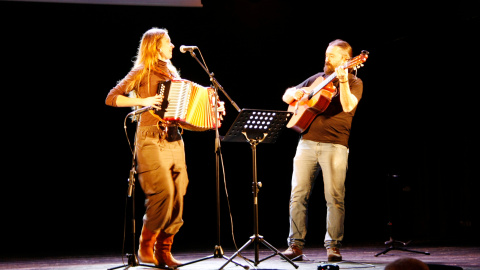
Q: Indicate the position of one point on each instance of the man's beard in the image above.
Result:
(328, 69)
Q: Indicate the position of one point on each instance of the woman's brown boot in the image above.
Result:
(146, 246)
(163, 249)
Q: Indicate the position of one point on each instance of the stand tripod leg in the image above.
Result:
(384, 252)
(414, 251)
(256, 240)
(238, 252)
(272, 248)
(393, 247)
(217, 254)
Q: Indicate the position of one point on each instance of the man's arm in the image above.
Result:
(348, 100)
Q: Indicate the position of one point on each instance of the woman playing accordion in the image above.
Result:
(160, 150)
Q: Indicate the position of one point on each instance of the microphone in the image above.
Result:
(184, 49)
(142, 110)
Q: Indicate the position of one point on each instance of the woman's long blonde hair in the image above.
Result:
(147, 57)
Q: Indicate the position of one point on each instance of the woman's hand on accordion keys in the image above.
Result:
(153, 101)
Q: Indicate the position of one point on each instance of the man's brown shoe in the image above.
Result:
(294, 253)
(333, 255)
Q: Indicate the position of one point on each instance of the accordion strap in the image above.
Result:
(167, 73)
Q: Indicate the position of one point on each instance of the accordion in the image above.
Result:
(191, 105)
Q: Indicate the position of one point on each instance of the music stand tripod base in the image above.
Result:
(218, 253)
(257, 126)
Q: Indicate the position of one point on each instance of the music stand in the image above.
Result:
(256, 126)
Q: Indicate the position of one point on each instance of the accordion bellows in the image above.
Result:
(191, 105)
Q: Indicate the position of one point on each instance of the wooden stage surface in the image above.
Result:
(357, 257)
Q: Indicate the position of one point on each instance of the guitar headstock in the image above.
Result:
(357, 61)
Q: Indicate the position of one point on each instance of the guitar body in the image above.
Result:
(305, 110)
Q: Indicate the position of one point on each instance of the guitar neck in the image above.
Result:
(354, 63)
(322, 85)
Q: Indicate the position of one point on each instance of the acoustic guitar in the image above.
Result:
(320, 95)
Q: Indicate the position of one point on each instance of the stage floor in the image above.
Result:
(358, 257)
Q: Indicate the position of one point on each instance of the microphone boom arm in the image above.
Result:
(214, 81)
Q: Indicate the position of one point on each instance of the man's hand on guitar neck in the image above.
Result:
(342, 73)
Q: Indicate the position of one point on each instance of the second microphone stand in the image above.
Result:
(132, 258)
(218, 252)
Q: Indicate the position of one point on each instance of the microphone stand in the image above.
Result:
(132, 259)
(215, 83)
(218, 252)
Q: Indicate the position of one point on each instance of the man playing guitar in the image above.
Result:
(323, 147)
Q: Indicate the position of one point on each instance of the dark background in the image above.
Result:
(67, 159)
